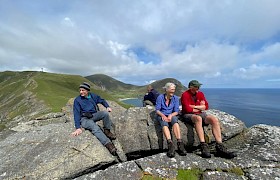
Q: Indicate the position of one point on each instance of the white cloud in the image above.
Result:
(202, 58)
(225, 41)
(256, 71)
(269, 53)
(274, 80)
(68, 22)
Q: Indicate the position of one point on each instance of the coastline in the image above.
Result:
(127, 99)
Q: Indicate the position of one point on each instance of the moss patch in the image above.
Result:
(150, 177)
(2, 126)
(238, 171)
(190, 174)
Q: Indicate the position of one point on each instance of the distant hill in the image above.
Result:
(180, 88)
(29, 94)
(114, 87)
(119, 89)
(110, 84)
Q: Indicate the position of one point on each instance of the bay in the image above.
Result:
(252, 106)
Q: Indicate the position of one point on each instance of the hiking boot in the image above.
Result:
(181, 149)
(110, 135)
(222, 151)
(205, 152)
(171, 150)
(112, 149)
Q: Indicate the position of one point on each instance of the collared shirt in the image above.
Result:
(188, 99)
(173, 106)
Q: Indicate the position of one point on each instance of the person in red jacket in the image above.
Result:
(194, 104)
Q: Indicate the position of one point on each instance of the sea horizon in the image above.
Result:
(250, 105)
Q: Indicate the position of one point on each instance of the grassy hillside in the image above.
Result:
(180, 88)
(116, 88)
(32, 93)
(119, 89)
(28, 94)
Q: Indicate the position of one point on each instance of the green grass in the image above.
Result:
(150, 177)
(49, 89)
(54, 90)
(2, 126)
(238, 171)
(190, 174)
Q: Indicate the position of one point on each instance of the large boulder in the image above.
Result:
(138, 130)
(258, 159)
(44, 149)
(48, 152)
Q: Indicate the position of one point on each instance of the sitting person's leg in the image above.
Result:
(221, 150)
(104, 115)
(95, 130)
(216, 128)
(166, 132)
(197, 120)
(177, 132)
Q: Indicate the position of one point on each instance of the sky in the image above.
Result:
(222, 44)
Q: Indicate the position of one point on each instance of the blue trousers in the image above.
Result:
(91, 125)
(174, 120)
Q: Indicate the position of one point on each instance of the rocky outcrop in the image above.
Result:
(258, 158)
(44, 149)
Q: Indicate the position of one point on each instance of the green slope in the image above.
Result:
(119, 89)
(116, 88)
(32, 93)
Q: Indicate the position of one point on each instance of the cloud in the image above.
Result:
(68, 22)
(256, 71)
(140, 41)
(269, 53)
(274, 80)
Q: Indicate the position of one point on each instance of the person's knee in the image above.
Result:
(174, 120)
(164, 125)
(216, 122)
(197, 119)
(213, 120)
(175, 125)
(105, 113)
(95, 129)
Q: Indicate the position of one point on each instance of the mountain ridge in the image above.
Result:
(28, 94)
(123, 90)
(25, 95)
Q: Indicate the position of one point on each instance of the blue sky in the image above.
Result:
(223, 44)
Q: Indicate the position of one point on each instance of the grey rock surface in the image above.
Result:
(125, 171)
(43, 149)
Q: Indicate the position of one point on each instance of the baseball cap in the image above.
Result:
(194, 83)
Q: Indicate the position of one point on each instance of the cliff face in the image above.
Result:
(43, 149)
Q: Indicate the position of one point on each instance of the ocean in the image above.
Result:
(252, 106)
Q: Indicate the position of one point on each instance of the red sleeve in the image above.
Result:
(186, 101)
(201, 97)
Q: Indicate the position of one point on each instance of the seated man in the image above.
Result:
(150, 97)
(86, 116)
(167, 109)
(193, 104)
